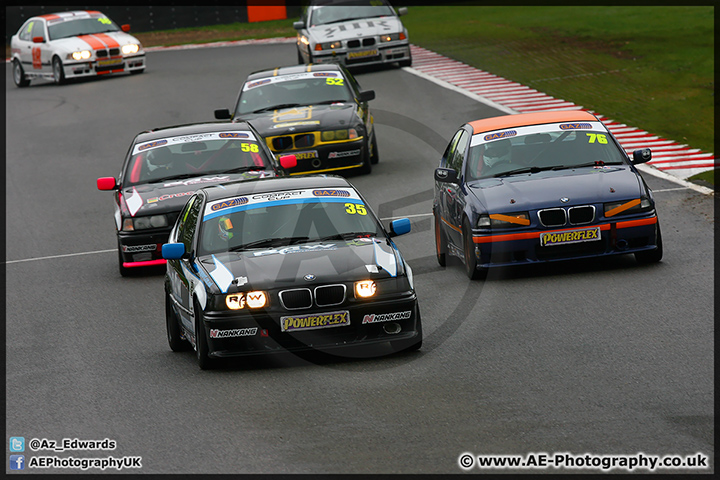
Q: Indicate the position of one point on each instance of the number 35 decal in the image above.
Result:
(353, 208)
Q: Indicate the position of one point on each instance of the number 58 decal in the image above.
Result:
(353, 208)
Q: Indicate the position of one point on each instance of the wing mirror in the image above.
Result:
(641, 156)
(288, 161)
(298, 25)
(367, 95)
(401, 226)
(173, 251)
(446, 175)
(223, 114)
(106, 183)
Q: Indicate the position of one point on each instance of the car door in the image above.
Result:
(182, 272)
(453, 197)
(24, 45)
(41, 52)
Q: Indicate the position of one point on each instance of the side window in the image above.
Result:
(38, 30)
(188, 222)
(456, 162)
(446, 161)
(26, 31)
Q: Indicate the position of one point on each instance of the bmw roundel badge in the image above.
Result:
(564, 199)
(309, 277)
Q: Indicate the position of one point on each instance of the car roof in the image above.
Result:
(71, 15)
(189, 129)
(526, 119)
(287, 70)
(276, 184)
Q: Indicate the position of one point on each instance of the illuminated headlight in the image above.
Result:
(391, 37)
(626, 207)
(238, 301)
(130, 48)
(154, 221)
(328, 46)
(365, 289)
(334, 135)
(81, 55)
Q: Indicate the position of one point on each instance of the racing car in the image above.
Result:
(353, 33)
(77, 44)
(164, 166)
(317, 113)
(541, 187)
(286, 264)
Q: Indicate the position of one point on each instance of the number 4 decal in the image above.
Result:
(36, 57)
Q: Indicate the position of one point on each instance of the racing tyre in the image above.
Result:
(201, 345)
(440, 243)
(652, 256)
(374, 157)
(136, 72)
(58, 71)
(367, 164)
(124, 271)
(471, 266)
(174, 333)
(300, 58)
(19, 75)
(406, 63)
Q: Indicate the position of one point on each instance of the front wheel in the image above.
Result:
(652, 256)
(19, 75)
(124, 271)
(471, 265)
(174, 333)
(440, 243)
(58, 71)
(413, 344)
(201, 345)
(367, 164)
(374, 157)
(135, 72)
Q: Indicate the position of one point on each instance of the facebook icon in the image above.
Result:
(17, 462)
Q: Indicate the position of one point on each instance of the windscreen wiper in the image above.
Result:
(267, 242)
(276, 107)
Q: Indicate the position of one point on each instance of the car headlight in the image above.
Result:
(365, 289)
(130, 48)
(143, 223)
(627, 207)
(333, 135)
(238, 301)
(80, 55)
(504, 220)
(392, 37)
(328, 46)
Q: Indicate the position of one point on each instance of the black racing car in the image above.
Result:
(166, 165)
(286, 264)
(316, 112)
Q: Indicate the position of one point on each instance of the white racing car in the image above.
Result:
(60, 46)
(352, 32)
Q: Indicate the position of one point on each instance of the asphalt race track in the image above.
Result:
(594, 357)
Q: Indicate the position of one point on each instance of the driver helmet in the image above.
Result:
(225, 228)
(497, 152)
(158, 158)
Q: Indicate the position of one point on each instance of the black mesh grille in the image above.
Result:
(329, 295)
(368, 42)
(114, 52)
(298, 298)
(353, 43)
(552, 217)
(581, 215)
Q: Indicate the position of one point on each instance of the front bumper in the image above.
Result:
(326, 157)
(232, 334)
(104, 66)
(142, 249)
(364, 56)
(616, 238)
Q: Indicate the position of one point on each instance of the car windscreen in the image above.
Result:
(535, 148)
(308, 88)
(82, 26)
(281, 219)
(194, 155)
(339, 13)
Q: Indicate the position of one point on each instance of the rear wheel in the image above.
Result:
(374, 157)
(58, 71)
(201, 345)
(652, 256)
(19, 75)
(440, 242)
(471, 265)
(174, 332)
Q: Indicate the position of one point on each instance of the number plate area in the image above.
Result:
(363, 54)
(550, 239)
(299, 323)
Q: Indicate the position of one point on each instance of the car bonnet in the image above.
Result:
(302, 265)
(544, 189)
